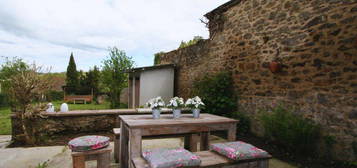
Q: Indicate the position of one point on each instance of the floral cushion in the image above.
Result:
(171, 158)
(87, 143)
(239, 150)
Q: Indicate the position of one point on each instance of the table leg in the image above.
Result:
(204, 141)
(124, 148)
(232, 132)
(191, 142)
(135, 149)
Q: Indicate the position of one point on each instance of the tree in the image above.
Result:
(114, 77)
(72, 80)
(195, 40)
(10, 68)
(157, 57)
(26, 88)
(94, 80)
(89, 81)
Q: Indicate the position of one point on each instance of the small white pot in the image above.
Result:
(156, 113)
(176, 113)
(196, 113)
(64, 107)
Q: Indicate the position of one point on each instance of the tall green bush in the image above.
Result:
(220, 97)
(295, 133)
(218, 93)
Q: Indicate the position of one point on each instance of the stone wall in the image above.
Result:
(58, 128)
(315, 42)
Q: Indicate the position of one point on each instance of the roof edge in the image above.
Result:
(139, 69)
(221, 9)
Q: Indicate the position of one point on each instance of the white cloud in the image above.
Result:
(47, 31)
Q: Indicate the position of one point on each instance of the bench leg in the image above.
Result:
(103, 160)
(78, 161)
(116, 148)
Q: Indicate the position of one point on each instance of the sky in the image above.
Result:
(45, 32)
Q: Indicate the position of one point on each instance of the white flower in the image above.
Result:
(195, 102)
(155, 103)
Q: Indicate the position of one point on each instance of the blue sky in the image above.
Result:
(47, 31)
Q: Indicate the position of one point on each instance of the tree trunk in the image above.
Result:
(29, 137)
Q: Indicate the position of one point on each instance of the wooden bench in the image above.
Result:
(102, 156)
(191, 141)
(214, 160)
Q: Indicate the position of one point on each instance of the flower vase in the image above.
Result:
(156, 113)
(176, 113)
(196, 113)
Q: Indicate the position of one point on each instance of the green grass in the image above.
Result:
(5, 122)
(92, 106)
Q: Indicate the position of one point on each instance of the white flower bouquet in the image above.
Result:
(176, 103)
(156, 103)
(195, 103)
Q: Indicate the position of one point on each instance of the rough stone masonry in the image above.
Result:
(315, 41)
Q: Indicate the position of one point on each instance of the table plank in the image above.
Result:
(144, 121)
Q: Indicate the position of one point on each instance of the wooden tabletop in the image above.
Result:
(144, 121)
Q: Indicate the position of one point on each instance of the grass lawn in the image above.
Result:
(5, 122)
(92, 106)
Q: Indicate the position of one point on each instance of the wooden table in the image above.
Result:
(134, 127)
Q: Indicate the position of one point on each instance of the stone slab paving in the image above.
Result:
(5, 140)
(60, 156)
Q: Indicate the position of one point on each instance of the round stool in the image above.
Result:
(87, 148)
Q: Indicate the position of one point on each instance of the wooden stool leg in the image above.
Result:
(116, 148)
(103, 160)
(78, 161)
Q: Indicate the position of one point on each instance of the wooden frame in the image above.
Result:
(134, 127)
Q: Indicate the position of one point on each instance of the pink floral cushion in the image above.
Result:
(87, 143)
(239, 150)
(171, 158)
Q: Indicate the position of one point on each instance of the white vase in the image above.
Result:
(196, 113)
(64, 107)
(176, 113)
(156, 113)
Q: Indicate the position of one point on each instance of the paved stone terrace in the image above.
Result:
(60, 156)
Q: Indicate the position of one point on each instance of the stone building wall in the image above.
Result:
(316, 43)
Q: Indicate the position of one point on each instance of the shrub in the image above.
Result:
(243, 126)
(3, 100)
(54, 95)
(218, 93)
(292, 131)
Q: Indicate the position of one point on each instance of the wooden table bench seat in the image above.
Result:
(190, 141)
(214, 160)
